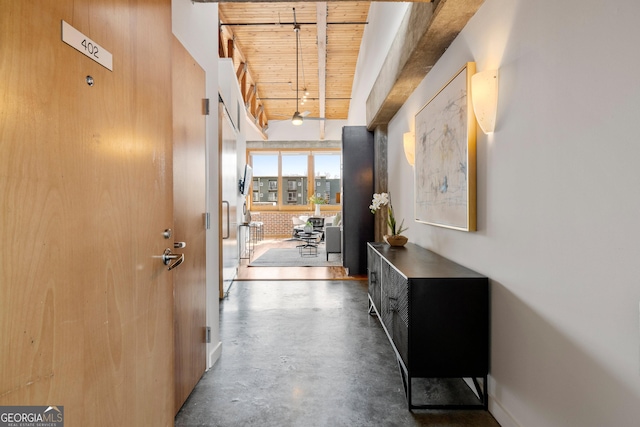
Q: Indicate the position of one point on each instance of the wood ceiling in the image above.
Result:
(261, 40)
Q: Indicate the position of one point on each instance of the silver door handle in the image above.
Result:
(167, 256)
(179, 245)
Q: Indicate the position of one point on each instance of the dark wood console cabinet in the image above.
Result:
(435, 313)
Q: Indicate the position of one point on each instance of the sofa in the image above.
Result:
(333, 236)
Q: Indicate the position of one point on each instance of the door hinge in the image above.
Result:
(205, 106)
(207, 334)
(207, 220)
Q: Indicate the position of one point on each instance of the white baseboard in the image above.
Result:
(214, 355)
(501, 415)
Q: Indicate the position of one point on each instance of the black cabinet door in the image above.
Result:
(451, 314)
(395, 308)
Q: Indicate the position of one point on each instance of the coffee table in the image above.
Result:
(310, 247)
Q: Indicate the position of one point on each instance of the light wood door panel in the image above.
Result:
(85, 193)
(189, 206)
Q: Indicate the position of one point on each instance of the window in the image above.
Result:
(265, 178)
(327, 176)
(295, 168)
(293, 172)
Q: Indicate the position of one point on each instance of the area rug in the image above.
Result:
(290, 257)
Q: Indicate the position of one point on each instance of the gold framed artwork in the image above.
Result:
(445, 156)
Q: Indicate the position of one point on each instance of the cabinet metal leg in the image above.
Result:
(372, 310)
(406, 383)
(481, 392)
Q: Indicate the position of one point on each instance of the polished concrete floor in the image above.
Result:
(306, 353)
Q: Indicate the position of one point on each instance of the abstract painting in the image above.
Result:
(445, 163)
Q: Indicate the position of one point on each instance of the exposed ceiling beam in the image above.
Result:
(424, 35)
(321, 18)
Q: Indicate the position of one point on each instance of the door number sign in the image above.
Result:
(86, 46)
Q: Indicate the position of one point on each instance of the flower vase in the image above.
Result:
(396, 240)
(317, 213)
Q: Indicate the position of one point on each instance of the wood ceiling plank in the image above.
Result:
(276, 78)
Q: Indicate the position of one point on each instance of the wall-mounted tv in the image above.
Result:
(245, 183)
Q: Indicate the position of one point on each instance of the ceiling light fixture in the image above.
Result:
(297, 117)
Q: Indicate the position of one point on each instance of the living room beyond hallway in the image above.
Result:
(245, 272)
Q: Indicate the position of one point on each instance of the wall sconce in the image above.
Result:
(484, 96)
(409, 142)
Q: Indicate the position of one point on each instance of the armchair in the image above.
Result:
(317, 223)
(298, 226)
(333, 240)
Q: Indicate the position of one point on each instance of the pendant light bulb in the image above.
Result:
(296, 120)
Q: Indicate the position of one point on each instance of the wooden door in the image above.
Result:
(85, 193)
(189, 189)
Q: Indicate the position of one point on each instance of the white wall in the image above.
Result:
(309, 130)
(383, 22)
(558, 206)
(196, 26)
(232, 97)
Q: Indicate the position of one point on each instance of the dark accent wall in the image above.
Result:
(358, 156)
